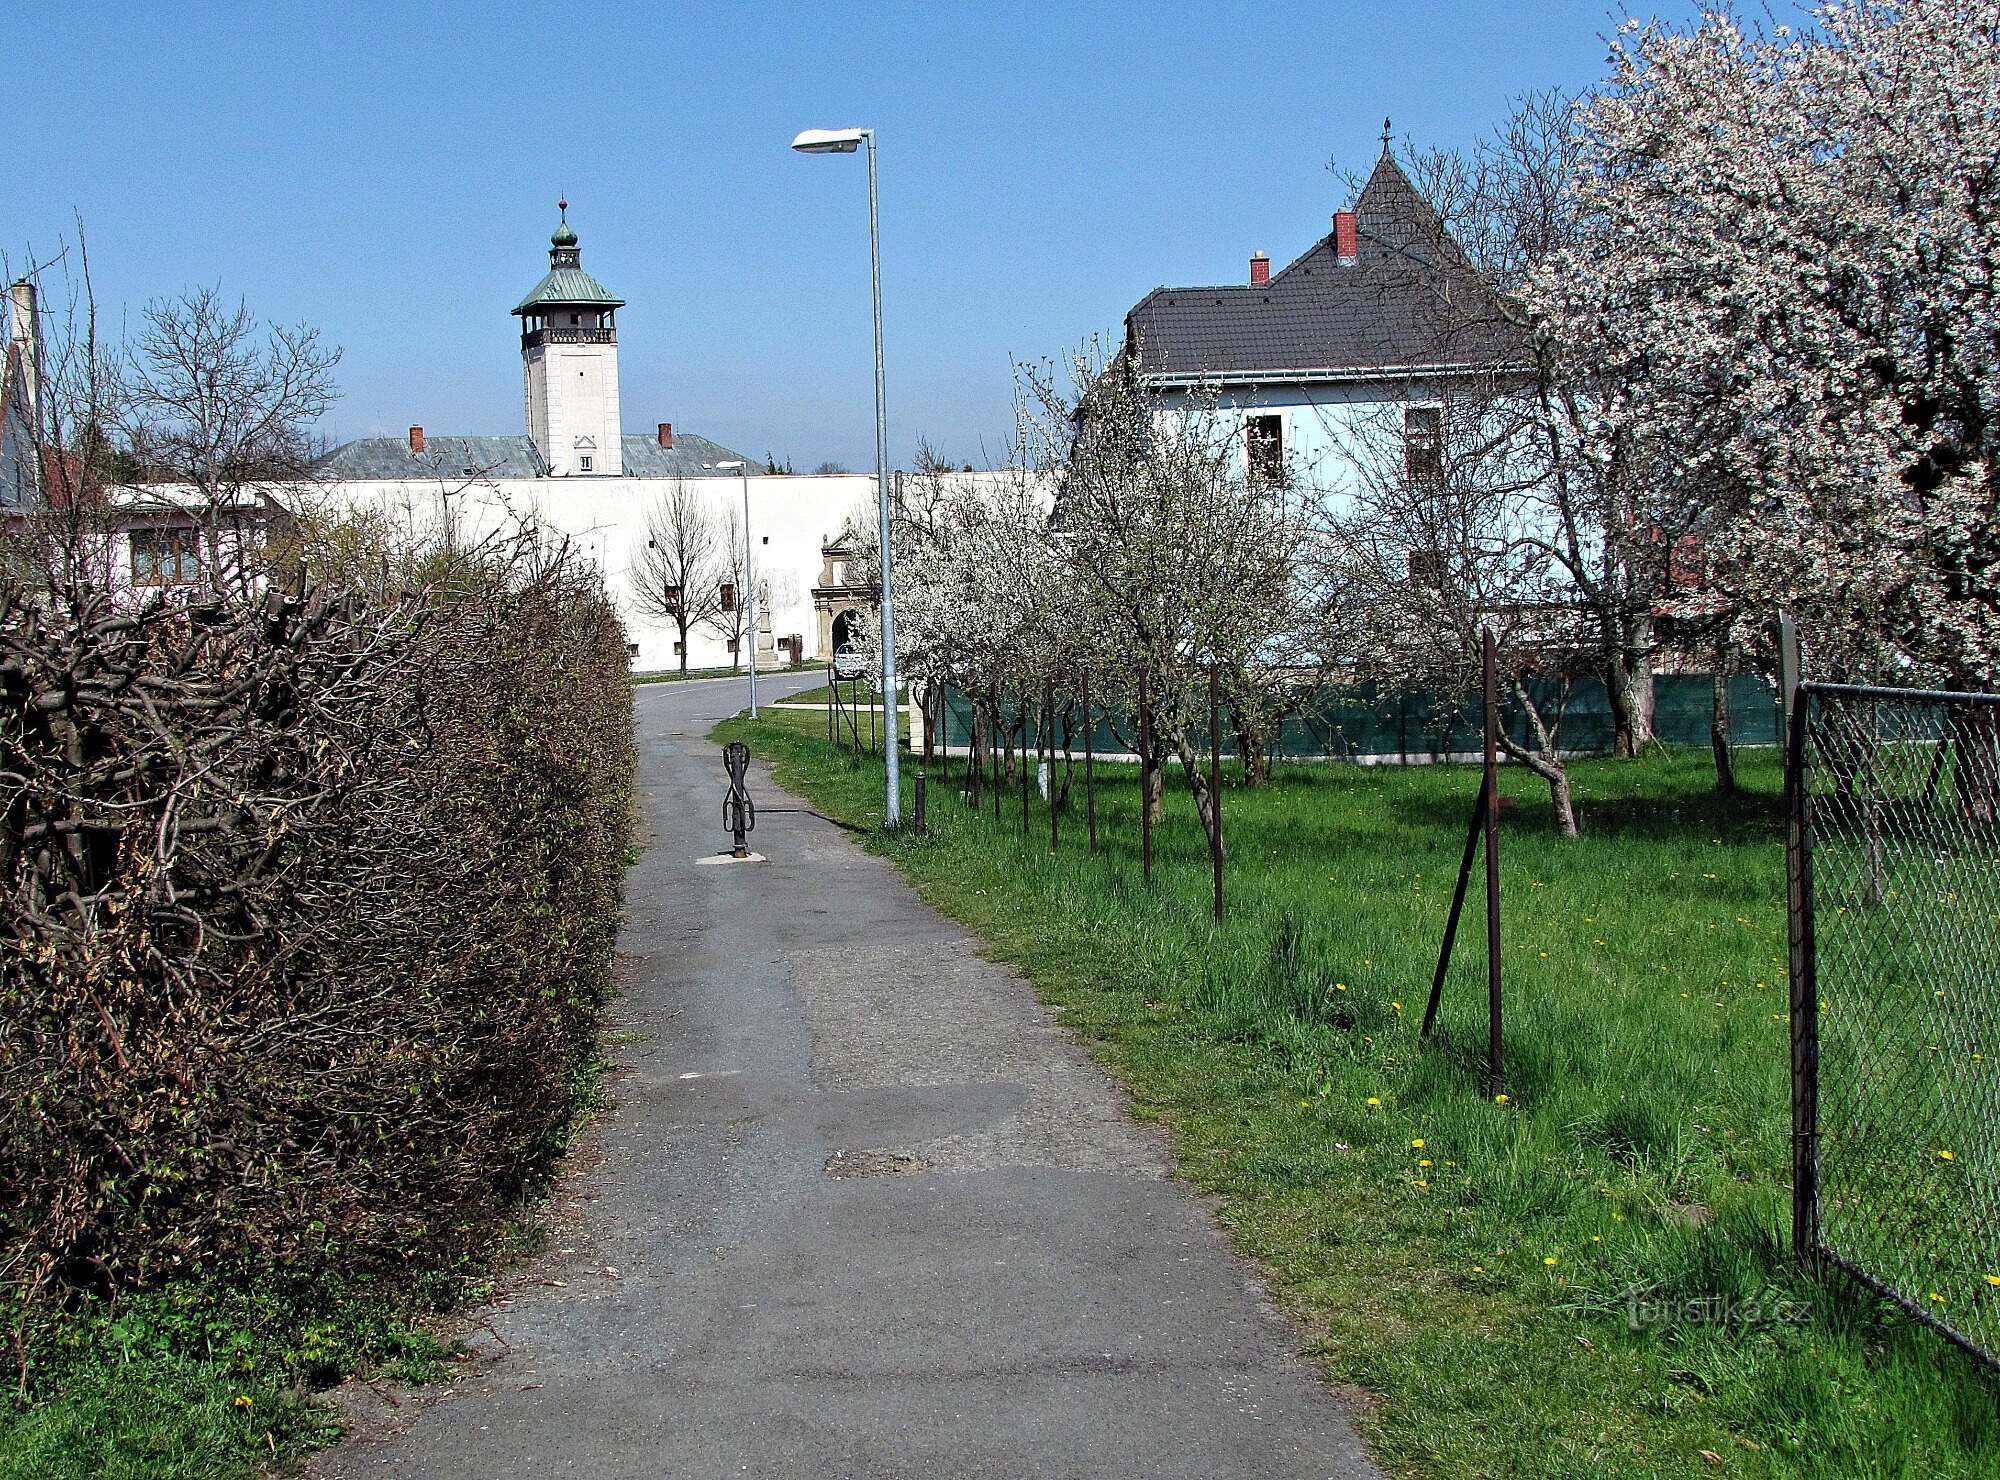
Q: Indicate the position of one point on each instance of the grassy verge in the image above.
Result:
(1585, 1278)
(219, 1377)
(674, 675)
(207, 1378)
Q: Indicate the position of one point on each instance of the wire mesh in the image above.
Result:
(1903, 791)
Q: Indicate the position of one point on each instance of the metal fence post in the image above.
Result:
(1802, 967)
(1048, 748)
(1492, 738)
(1089, 767)
(1145, 800)
(1215, 783)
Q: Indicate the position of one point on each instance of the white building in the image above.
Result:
(576, 472)
(1367, 332)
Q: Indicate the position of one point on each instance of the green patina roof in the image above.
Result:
(566, 286)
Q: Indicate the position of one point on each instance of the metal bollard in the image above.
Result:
(739, 813)
(922, 788)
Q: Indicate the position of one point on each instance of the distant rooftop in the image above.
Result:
(1379, 310)
(514, 457)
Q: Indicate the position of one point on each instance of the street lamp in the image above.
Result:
(846, 141)
(749, 575)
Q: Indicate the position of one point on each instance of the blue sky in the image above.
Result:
(389, 173)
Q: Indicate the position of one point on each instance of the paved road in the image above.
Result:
(864, 1209)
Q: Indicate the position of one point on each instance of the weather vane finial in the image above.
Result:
(562, 205)
(1386, 136)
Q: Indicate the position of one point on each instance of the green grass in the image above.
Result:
(206, 1378)
(674, 675)
(1589, 1278)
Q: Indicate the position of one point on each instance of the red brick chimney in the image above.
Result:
(667, 434)
(1260, 269)
(1346, 240)
(416, 439)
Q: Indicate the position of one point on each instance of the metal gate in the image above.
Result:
(1894, 874)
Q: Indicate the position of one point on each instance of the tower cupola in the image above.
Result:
(569, 363)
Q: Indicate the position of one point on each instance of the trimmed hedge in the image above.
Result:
(310, 908)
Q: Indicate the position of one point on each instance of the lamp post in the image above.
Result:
(846, 141)
(749, 575)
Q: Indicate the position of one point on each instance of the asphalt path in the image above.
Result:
(863, 1208)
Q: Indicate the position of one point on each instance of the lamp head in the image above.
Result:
(830, 140)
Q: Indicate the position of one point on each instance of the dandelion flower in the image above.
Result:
(1426, 1161)
(1500, 1099)
(1340, 986)
(1993, 1279)
(1417, 1144)
(1305, 1104)
(1937, 1297)
(1374, 1101)
(1550, 1261)
(1479, 1269)
(1597, 1238)
(1944, 1156)
(241, 1400)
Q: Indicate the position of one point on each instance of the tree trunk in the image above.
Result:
(1254, 750)
(1545, 762)
(1197, 779)
(1628, 684)
(1718, 730)
(684, 649)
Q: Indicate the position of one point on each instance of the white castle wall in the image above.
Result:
(791, 518)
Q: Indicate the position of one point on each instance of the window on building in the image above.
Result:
(1265, 440)
(1427, 567)
(734, 644)
(670, 598)
(729, 596)
(677, 650)
(586, 462)
(1687, 566)
(1423, 444)
(164, 557)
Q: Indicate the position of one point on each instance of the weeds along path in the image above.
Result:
(864, 1208)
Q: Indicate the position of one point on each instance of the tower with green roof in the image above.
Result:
(569, 364)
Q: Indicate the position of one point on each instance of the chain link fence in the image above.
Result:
(1895, 864)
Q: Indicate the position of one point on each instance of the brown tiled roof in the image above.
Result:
(1411, 298)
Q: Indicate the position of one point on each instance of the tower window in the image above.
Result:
(585, 462)
(729, 596)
